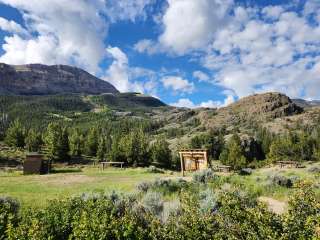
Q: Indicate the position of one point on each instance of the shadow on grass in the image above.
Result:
(66, 170)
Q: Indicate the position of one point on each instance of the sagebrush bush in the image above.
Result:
(153, 202)
(203, 176)
(208, 201)
(283, 181)
(143, 186)
(153, 169)
(314, 169)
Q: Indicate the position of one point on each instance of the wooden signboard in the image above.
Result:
(193, 159)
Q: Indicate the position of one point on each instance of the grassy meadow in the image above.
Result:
(36, 190)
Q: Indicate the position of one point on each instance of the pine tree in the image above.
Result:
(102, 149)
(233, 155)
(76, 143)
(33, 141)
(161, 154)
(57, 142)
(91, 144)
(15, 135)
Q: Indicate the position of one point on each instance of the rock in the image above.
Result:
(245, 171)
(38, 79)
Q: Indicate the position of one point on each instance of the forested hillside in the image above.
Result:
(141, 130)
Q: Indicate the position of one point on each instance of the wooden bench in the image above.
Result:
(106, 164)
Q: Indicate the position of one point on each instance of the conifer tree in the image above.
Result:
(233, 154)
(15, 135)
(33, 141)
(161, 153)
(57, 142)
(91, 144)
(76, 143)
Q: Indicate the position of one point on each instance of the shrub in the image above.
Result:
(283, 181)
(170, 209)
(314, 169)
(153, 202)
(203, 176)
(208, 201)
(153, 169)
(143, 186)
(9, 208)
(303, 217)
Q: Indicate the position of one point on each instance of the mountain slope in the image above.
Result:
(37, 79)
(305, 103)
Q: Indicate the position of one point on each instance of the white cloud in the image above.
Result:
(190, 24)
(187, 103)
(258, 55)
(129, 79)
(272, 12)
(12, 27)
(70, 32)
(178, 84)
(201, 76)
(63, 31)
(127, 9)
(183, 102)
(117, 73)
(187, 25)
(148, 46)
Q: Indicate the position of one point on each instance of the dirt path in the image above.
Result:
(274, 205)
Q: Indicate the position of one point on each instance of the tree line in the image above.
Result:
(135, 143)
(120, 142)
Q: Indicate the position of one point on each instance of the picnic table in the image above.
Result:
(222, 168)
(289, 163)
(106, 164)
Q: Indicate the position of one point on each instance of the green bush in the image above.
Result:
(9, 208)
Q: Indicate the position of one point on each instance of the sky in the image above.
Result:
(188, 53)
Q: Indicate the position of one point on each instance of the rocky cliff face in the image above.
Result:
(37, 79)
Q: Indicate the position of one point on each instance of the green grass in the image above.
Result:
(35, 190)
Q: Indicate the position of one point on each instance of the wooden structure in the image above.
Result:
(222, 168)
(193, 159)
(289, 164)
(35, 164)
(106, 164)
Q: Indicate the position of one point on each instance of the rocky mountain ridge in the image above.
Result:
(38, 79)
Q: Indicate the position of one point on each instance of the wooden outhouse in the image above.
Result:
(193, 159)
(35, 164)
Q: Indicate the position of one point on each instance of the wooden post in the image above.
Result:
(182, 163)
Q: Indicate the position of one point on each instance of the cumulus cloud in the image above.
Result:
(117, 73)
(12, 26)
(187, 25)
(201, 76)
(190, 24)
(70, 32)
(178, 84)
(63, 31)
(129, 79)
(187, 103)
(275, 52)
(127, 9)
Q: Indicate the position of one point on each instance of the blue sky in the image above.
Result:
(193, 53)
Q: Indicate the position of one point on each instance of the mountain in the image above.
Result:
(305, 103)
(38, 79)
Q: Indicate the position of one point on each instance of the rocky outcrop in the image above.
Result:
(38, 79)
